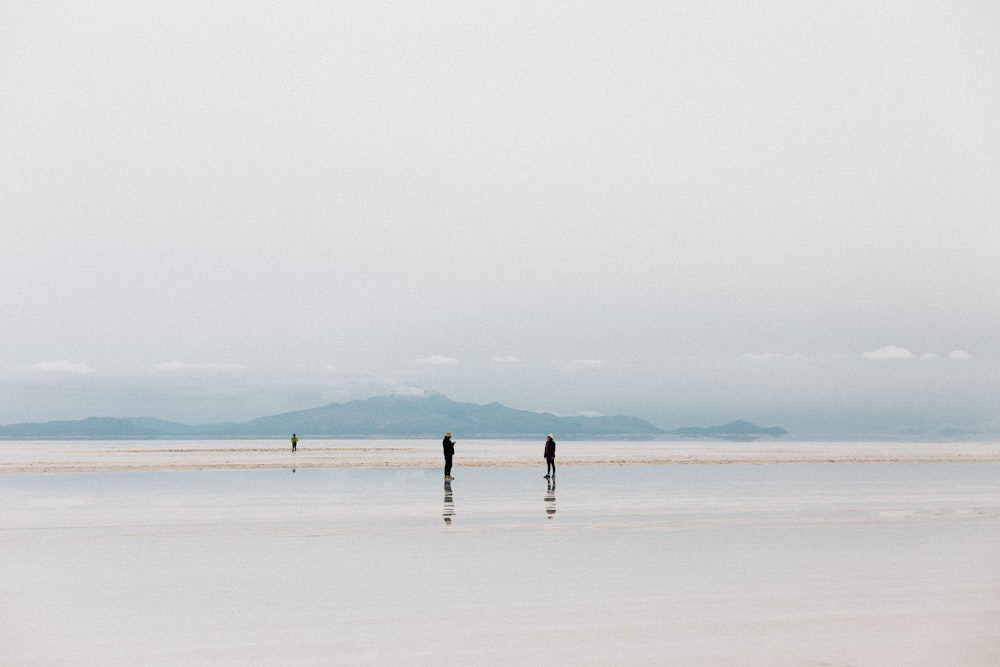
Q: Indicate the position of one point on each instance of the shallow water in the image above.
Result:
(700, 564)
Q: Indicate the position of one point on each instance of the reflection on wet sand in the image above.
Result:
(550, 499)
(449, 504)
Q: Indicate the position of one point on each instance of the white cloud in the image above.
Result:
(959, 355)
(437, 360)
(588, 363)
(406, 390)
(183, 366)
(509, 359)
(889, 352)
(62, 366)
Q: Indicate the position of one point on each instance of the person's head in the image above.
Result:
(448, 434)
(550, 436)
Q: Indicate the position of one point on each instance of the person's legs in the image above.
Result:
(550, 466)
(447, 466)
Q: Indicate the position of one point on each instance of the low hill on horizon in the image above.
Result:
(431, 413)
(92, 427)
(735, 430)
(413, 414)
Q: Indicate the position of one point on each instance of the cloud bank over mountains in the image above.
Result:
(185, 366)
(811, 394)
(61, 366)
(894, 352)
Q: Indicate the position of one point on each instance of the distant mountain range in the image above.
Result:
(411, 413)
(737, 430)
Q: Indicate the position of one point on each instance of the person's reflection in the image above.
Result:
(449, 503)
(550, 499)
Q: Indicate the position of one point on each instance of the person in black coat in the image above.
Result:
(550, 458)
(449, 451)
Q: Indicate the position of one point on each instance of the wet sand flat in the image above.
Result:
(712, 564)
(146, 455)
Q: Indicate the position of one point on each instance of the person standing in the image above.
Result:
(449, 451)
(295, 442)
(550, 458)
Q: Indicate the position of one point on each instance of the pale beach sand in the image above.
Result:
(153, 455)
(223, 553)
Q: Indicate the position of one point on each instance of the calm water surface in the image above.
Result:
(716, 564)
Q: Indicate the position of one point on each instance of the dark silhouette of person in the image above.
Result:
(449, 451)
(295, 442)
(449, 503)
(550, 458)
(550, 499)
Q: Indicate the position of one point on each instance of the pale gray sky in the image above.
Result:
(693, 212)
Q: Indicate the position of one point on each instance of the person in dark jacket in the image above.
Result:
(449, 451)
(550, 458)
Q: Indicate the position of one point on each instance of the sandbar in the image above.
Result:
(151, 456)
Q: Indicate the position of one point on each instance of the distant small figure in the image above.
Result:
(550, 458)
(449, 451)
(295, 442)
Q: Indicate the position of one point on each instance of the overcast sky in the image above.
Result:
(692, 212)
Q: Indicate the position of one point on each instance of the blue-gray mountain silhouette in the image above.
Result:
(430, 413)
(414, 414)
(92, 427)
(735, 430)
